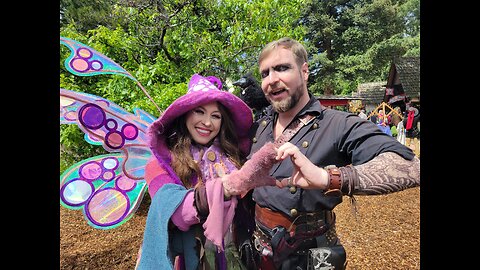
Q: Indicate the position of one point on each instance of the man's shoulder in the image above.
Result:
(336, 114)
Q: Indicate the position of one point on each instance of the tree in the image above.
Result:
(354, 41)
(163, 43)
(85, 14)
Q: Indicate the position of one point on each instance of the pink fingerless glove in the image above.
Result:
(254, 173)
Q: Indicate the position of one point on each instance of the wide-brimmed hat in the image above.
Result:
(201, 90)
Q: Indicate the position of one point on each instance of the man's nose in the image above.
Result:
(272, 77)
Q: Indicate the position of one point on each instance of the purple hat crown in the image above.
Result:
(199, 83)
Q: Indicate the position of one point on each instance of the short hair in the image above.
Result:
(287, 43)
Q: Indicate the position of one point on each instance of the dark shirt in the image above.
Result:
(332, 138)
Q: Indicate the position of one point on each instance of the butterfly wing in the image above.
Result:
(85, 61)
(104, 122)
(99, 187)
(108, 188)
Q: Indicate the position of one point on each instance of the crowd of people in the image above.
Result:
(402, 125)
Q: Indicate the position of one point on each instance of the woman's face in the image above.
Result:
(204, 122)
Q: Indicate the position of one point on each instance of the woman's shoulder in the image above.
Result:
(154, 168)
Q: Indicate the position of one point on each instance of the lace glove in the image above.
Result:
(254, 173)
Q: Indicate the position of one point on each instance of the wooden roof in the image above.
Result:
(406, 71)
(372, 92)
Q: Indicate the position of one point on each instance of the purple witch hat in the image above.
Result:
(201, 90)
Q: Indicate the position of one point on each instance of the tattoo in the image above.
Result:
(387, 173)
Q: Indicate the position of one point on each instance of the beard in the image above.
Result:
(288, 103)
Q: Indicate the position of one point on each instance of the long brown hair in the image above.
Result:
(179, 141)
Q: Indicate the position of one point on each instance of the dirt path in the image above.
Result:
(384, 235)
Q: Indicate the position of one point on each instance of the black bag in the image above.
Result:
(244, 225)
(248, 255)
(326, 258)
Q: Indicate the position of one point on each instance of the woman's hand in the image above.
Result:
(254, 173)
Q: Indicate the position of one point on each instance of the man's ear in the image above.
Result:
(305, 71)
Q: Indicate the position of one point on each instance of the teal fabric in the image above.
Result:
(155, 248)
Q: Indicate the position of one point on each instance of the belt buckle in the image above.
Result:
(310, 221)
(312, 217)
(261, 244)
(256, 243)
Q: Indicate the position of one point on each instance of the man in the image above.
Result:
(295, 224)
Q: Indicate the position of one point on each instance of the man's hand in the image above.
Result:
(305, 174)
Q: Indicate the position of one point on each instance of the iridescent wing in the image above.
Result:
(108, 188)
(85, 61)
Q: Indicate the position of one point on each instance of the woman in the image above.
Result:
(197, 142)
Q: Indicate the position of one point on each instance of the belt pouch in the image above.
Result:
(321, 258)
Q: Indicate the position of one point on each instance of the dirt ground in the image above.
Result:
(385, 234)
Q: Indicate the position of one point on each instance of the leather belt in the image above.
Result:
(271, 219)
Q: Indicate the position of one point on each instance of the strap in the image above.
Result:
(292, 129)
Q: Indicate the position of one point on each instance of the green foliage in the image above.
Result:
(71, 141)
(163, 43)
(410, 12)
(85, 14)
(358, 40)
(412, 45)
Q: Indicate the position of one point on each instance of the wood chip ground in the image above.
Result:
(385, 234)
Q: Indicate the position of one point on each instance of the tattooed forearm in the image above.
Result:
(387, 173)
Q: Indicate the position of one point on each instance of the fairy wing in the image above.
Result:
(98, 186)
(108, 188)
(104, 122)
(85, 61)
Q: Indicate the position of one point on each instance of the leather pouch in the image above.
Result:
(248, 255)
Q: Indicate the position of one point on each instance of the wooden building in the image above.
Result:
(403, 83)
(371, 93)
(335, 101)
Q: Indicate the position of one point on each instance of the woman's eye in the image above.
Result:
(197, 111)
(217, 117)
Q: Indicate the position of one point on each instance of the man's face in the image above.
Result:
(283, 81)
